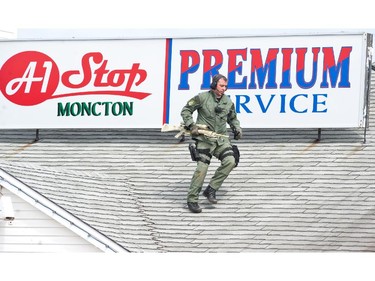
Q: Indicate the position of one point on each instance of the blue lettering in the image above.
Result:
(317, 102)
(242, 104)
(292, 103)
(260, 101)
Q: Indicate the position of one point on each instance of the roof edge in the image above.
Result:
(59, 214)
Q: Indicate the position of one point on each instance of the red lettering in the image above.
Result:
(86, 71)
(102, 77)
(236, 67)
(99, 73)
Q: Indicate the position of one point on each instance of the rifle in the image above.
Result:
(202, 129)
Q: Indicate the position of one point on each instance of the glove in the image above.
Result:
(237, 133)
(194, 130)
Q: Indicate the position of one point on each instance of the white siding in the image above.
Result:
(34, 232)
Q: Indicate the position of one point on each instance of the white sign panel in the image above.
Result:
(311, 81)
(82, 84)
(277, 82)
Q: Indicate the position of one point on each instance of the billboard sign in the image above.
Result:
(301, 81)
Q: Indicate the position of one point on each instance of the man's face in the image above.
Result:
(221, 87)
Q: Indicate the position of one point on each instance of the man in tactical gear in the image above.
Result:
(215, 110)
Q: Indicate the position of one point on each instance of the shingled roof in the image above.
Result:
(290, 192)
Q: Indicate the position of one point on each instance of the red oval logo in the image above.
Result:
(29, 78)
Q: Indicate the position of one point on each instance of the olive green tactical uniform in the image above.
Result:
(215, 113)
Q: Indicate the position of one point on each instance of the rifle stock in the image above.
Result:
(202, 129)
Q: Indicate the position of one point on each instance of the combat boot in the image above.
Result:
(194, 207)
(210, 193)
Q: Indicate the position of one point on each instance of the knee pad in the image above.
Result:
(231, 151)
(229, 162)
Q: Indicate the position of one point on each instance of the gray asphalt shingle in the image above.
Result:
(289, 192)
